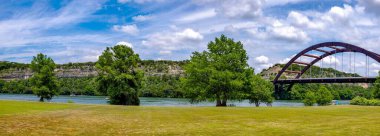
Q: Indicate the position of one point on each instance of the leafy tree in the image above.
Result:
(218, 74)
(324, 96)
(44, 83)
(261, 91)
(309, 99)
(118, 76)
(376, 88)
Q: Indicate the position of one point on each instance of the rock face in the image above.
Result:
(152, 69)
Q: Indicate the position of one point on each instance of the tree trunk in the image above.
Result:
(224, 102)
(41, 99)
(218, 102)
(257, 104)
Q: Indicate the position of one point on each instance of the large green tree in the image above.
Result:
(119, 77)
(44, 82)
(261, 90)
(218, 74)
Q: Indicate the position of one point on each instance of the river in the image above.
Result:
(148, 101)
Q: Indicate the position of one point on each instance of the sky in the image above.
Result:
(272, 31)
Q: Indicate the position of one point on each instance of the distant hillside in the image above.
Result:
(316, 72)
(13, 70)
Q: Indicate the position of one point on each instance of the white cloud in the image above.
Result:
(198, 16)
(301, 20)
(235, 8)
(288, 33)
(141, 18)
(262, 59)
(166, 42)
(129, 29)
(125, 43)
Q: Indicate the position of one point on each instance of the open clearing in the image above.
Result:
(35, 118)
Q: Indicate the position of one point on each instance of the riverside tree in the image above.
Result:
(376, 88)
(260, 91)
(44, 83)
(218, 74)
(118, 77)
(324, 96)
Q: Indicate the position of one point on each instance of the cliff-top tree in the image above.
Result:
(218, 74)
(44, 83)
(118, 77)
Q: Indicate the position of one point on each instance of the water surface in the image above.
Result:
(147, 101)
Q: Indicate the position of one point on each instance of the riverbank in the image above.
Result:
(35, 118)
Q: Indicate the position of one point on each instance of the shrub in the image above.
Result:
(364, 101)
(309, 99)
(324, 96)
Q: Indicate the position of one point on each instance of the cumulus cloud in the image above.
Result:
(129, 29)
(125, 43)
(298, 19)
(262, 59)
(288, 33)
(166, 42)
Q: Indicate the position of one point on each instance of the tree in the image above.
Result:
(118, 76)
(324, 96)
(376, 88)
(261, 91)
(218, 74)
(309, 99)
(44, 83)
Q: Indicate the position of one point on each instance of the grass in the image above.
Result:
(34, 118)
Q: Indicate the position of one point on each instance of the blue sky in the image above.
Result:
(271, 30)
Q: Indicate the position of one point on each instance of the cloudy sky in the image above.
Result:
(271, 30)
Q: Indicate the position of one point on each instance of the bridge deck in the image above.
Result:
(328, 80)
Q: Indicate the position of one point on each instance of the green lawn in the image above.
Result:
(34, 118)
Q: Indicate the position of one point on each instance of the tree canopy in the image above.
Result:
(44, 82)
(260, 91)
(219, 73)
(118, 76)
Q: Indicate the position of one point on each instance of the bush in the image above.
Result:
(364, 101)
(324, 96)
(309, 99)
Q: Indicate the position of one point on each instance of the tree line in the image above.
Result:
(220, 74)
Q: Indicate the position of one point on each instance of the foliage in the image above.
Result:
(8, 65)
(217, 74)
(162, 86)
(260, 91)
(339, 91)
(364, 101)
(376, 88)
(16, 87)
(324, 96)
(309, 99)
(118, 76)
(78, 86)
(44, 82)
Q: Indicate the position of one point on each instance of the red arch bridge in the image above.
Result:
(327, 53)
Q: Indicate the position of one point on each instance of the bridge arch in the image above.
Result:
(338, 47)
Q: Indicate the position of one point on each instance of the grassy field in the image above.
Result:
(34, 118)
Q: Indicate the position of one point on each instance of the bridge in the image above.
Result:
(317, 54)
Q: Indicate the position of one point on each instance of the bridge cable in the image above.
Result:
(354, 62)
(342, 63)
(335, 63)
(350, 75)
